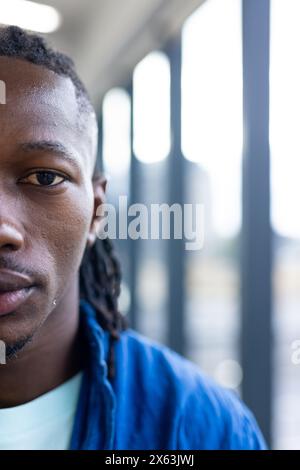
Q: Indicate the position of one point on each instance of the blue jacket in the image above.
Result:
(158, 400)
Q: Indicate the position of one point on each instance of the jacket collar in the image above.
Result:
(95, 415)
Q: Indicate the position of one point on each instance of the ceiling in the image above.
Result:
(106, 38)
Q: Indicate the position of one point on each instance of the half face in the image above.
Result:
(47, 196)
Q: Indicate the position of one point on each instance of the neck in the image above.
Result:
(54, 355)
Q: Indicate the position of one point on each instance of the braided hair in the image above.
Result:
(100, 281)
(100, 274)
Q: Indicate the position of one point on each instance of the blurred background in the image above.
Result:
(199, 102)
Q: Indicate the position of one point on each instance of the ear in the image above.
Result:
(99, 186)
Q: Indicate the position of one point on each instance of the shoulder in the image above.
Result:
(207, 415)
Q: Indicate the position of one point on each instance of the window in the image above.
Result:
(285, 165)
(151, 92)
(212, 139)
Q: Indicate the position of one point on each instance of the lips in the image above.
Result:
(15, 288)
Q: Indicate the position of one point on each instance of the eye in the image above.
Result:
(44, 178)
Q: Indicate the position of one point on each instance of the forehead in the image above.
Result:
(40, 105)
(38, 90)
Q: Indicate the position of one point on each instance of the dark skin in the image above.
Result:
(44, 229)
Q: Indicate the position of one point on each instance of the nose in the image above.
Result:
(11, 239)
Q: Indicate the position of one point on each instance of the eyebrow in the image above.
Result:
(53, 147)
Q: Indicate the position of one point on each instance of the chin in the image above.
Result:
(13, 350)
(17, 329)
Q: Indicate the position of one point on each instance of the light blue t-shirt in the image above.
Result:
(44, 423)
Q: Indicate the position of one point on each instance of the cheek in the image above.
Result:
(63, 227)
(68, 240)
(69, 234)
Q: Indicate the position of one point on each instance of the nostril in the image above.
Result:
(9, 247)
(11, 238)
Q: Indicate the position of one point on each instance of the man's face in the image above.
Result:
(47, 197)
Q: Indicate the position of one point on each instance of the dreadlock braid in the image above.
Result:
(100, 280)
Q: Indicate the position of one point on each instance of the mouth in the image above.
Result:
(15, 289)
(11, 300)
